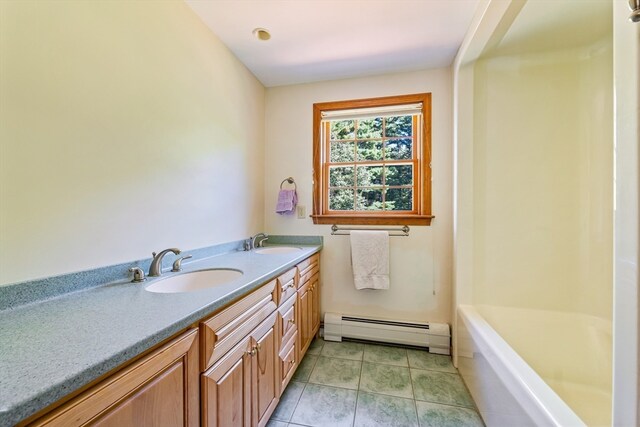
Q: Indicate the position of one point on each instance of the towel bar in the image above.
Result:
(345, 231)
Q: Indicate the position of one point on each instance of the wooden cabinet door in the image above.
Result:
(287, 320)
(314, 302)
(305, 319)
(161, 389)
(226, 389)
(159, 403)
(266, 369)
(242, 389)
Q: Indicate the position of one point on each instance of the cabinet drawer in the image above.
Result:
(311, 281)
(308, 275)
(288, 361)
(287, 319)
(224, 330)
(286, 286)
(307, 268)
(313, 259)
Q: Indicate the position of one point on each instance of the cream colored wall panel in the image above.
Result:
(543, 167)
(626, 336)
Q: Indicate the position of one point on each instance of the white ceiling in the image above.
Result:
(313, 40)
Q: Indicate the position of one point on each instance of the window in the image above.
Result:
(371, 161)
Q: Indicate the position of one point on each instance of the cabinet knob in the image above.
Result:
(253, 351)
(291, 321)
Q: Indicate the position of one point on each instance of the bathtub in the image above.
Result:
(566, 380)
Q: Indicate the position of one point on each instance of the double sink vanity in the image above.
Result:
(215, 345)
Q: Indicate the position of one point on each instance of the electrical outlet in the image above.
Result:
(302, 212)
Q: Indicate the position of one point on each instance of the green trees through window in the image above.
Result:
(371, 164)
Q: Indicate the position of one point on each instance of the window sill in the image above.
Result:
(373, 220)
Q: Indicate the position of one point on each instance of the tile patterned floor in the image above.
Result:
(362, 385)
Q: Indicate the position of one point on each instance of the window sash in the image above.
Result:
(416, 123)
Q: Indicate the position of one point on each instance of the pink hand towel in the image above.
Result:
(287, 201)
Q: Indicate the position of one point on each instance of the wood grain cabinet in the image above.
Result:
(304, 319)
(265, 370)
(224, 330)
(314, 302)
(308, 302)
(286, 286)
(242, 389)
(161, 389)
(288, 336)
(226, 389)
(309, 318)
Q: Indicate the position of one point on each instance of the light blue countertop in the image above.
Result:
(51, 348)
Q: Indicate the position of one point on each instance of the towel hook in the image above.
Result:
(290, 180)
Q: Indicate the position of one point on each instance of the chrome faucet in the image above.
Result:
(155, 269)
(259, 243)
(177, 264)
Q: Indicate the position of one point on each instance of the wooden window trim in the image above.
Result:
(422, 212)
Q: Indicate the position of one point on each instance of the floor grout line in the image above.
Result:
(436, 370)
(297, 402)
(355, 411)
(446, 404)
(303, 389)
(413, 392)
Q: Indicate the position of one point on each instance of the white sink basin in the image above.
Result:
(194, 281)
(273, 250)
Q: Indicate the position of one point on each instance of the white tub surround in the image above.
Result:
(505, 388)
(534, 207)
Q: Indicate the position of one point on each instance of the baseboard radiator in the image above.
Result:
(435, 336)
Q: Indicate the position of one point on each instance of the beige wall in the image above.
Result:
(420, 263)
(127, 127)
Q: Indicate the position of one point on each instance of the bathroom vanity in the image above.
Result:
(228, 368)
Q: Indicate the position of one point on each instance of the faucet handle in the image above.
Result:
(260, 243)
(138, 275)
(177, 264)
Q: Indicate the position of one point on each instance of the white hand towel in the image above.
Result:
(370, 259)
